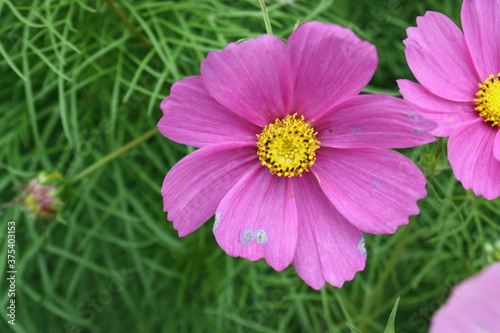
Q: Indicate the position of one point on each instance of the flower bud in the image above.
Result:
(43, 194)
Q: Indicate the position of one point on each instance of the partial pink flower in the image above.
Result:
(293, 162)
(472, 306)
(459, 75)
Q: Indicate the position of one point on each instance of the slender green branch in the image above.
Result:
(388, 269)
(265, 15)
(114, 154)
(128, 23)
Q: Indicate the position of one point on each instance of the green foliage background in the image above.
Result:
(79, 79)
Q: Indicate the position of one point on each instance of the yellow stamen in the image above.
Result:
(488, 100)
(288, 146)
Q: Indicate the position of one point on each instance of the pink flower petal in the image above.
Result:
(447, 114)
(472, 306)
(481, 24)
(253, 79)
(439, 58)
(329, 248)
(496, 146)
(258, 219)
(374, 189)
(374, 121)
(192, 117)
(330, 64)
(194, 187)
(470, 152)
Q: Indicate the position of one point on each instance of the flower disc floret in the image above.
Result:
(288, 146)
(488, 100)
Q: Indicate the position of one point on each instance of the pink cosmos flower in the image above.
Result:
(292, 162)
(473, 305)
(460, 88)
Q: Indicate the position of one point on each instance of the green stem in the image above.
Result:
(114, 154)
(388, 269)
(124, 18)
(265, 15)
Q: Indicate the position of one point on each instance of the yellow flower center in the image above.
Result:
(488, 100)
(288, 146)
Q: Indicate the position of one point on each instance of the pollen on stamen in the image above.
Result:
(488, 100)
(288, 146)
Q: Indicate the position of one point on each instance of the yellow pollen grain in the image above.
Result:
(488, 100)
(288, 146)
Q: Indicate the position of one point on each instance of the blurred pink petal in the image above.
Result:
(473, 305)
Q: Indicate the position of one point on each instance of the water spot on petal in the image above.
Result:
(217, 220)
(414, 116)
(416, 131)
(361, 245)
(482, 328)
(246, 236)
(356, 128)
(261, 236)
